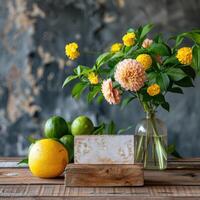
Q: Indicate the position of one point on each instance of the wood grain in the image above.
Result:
(173, 177)
(186, 163)
(180, 176)
(180, 181)
(153, 192)
(104, 175)
(24, 176)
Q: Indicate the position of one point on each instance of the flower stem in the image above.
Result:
(158, 148)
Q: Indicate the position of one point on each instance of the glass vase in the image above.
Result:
(151, 142)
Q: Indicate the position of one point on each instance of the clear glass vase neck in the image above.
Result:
(150, 115)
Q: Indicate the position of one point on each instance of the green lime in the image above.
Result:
(68, 142)
(55, 127)
(82, 125)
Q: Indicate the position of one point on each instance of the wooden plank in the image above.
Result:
(186, 163)
(156, 192)
(172, 177)
(24, 176)
(104, 175)
(10, 162)
(4, 159)
(103, 198)
(171, 164)
(193, 159)
(167, 177)
(169, 184)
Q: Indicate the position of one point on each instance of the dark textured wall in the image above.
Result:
(33, 65)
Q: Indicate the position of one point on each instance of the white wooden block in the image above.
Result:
(104, 149)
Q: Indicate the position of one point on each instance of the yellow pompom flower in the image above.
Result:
(153, 89)
(145, 60)
(93, 78)
(116, 47)
(129, 39)
(184, 55)
(71, 50)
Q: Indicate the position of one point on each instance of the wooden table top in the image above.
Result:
(180, 181)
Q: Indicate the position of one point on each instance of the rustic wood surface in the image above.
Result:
(104, 175)
(180, 181)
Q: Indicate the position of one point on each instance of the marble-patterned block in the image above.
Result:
(104, 149)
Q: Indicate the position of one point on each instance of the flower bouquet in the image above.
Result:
(143, 69)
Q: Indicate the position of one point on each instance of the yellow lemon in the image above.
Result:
(47, 158)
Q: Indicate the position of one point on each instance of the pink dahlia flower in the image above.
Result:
(112, 95)
(130, 74)
(147, 43)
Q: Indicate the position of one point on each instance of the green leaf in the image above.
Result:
(159, 49)
(166, 106)
(111, 128)
(103, 58)
(130, 30)
(127, 49)
(81, 70)
(100, 98)
(176, 154)
(193, 36)
(152, 75)
(68, 79)
(31, 139)
(196, 58)
(158, 99)
(78, 89)
(145, 97)
(24, 161)
(126, 101)
(171, 60)
(189, 71)
(163, 81)
(176, 90)
(115, 59)
(125, 129)
(179, 40)
(78, 70)
(99, 129)
(93, 93)
(146, 29)
(185, 82)
(176, 74)
(171, 150)
(117, 55)
(158, 38)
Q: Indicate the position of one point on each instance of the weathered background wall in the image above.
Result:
(33, 66)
